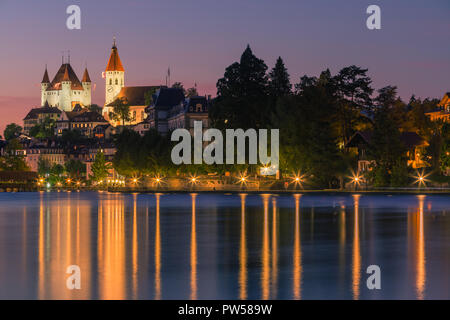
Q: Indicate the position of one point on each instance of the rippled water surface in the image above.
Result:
(223, 246)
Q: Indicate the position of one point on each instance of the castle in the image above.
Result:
(66, 91)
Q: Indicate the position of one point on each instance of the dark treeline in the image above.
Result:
(316, 116)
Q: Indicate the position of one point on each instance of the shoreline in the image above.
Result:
(234, 191)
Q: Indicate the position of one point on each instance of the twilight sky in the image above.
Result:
(198, 39)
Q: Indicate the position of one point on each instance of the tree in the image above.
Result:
(191, 92)
(279, 83)
(44, 130)
(100, 167)
(12, 131)
(387, 149)
(75, 169)
(148, 96)
(95, 108)
(352, 87)
(11, 160)
(44, 166)
(179, 85)
(121, 111)
(307, 142)
(242, 95)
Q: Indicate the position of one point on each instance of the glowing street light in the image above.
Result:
(297, 179)
(193, 179)
(357, 180)
(421, 179)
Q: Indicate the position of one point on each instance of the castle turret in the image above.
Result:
(87, 85)
(66, 95)
(45, 83)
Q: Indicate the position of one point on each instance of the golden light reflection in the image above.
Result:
(265, 272)
(420, 250)
(61, 227)
(274, 248)
(243, 254)
(356, 254)
(342, 239)
(157, 252)
(111, 249)
(193, 251)
(134, 248)
(297, 270)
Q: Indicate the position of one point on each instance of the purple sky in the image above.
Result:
(198, 39)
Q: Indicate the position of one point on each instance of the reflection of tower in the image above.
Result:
(297, 287)
(356, 254)
(193, 251)
(112, 249)
(61, 245)
(243, 253)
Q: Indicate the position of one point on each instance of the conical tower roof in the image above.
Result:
(114, 63)
(45, 79)
(86, 77)
(66, 75)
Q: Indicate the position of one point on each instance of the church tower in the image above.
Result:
(114, 74)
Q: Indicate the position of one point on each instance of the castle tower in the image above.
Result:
(115, 75)
(66, 94)
(45, 83)
(86, 82)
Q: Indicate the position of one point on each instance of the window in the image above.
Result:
(110, 81)
(117, 81)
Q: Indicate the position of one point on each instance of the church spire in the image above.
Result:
(45, 79)
(114, 63)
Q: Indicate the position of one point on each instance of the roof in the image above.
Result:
(409, 139)
(33, 113)
(88, 116)
(169, 97)
(114, 63)
(86, 77)
(65, 73)
(45, 79)
(134, 96)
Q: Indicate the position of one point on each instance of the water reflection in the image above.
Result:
(243, 253)
(157, 251)
(111, 253)
(265, 266)
(419, 249)
(356, 253)
(274, 248)
(193, 251)
(155, 246)
(297, 270)
(60, 245)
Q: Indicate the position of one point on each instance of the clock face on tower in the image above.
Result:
(110, 89)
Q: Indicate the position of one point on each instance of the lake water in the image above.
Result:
(223, 246)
